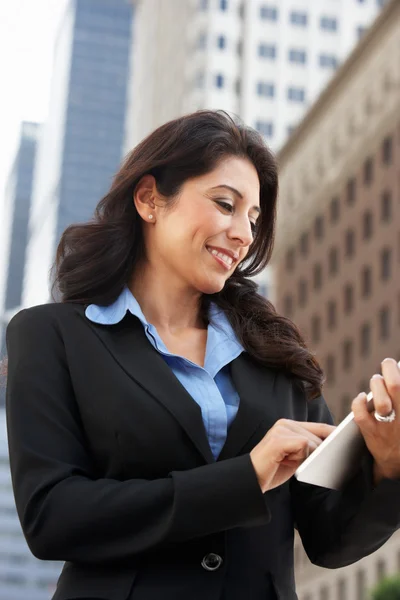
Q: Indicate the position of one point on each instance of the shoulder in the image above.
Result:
(44, 317)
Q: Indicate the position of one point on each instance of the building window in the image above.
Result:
(350, 243)
(334, 210)
(304, 244)
(319, 227)
(387, 150)
(238, 86)
(328, 60)
(328, 23)
(221, 42)
(386, 206)
(351, 191)
(296, 94)
(386, 256)
(368, 171)
(302, 292)
(267, 51)
(330, 369)
(219, 81)
(298, 18)
(332, 314)
(290, 259)
(266, 128)
(365, 339)
(203, 4)
(317, 272)
(345, 409)
(315, 329)
(384, 323)
(348, 298)
(269, 13)
(367, 225)
(265, 89)
(288, 305)
(239, 48)
(290, 129)
(380, 569)
(297, 56)
(333, 261)
(348, 349)
(223, 4)
(202, 41)
(366, 282)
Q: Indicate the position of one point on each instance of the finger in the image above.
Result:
(297, 428)
(391, 376)
(295, 448)
(382, 401)
(364, 419)
(322, 430)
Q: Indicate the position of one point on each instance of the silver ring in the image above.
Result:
(387, 419)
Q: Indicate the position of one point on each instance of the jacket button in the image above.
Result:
(211, 562)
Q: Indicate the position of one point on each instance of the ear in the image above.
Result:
(144, 196)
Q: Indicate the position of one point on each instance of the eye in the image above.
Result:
(225, 205)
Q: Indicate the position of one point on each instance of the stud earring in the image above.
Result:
(150, 216)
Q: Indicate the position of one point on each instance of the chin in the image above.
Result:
(212, 287)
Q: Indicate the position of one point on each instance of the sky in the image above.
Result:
(27, 34)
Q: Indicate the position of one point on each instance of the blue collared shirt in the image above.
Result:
(210, 386)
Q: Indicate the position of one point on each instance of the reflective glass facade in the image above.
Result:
(22, 191)
(96, 106)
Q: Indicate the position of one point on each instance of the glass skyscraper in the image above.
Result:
(83, 136)
(95, 113)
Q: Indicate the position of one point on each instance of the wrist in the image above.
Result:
(384, 472)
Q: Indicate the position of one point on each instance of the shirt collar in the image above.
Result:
(220, 330)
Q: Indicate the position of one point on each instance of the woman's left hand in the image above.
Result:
(382, 439)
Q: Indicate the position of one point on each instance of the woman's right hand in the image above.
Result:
(286, 445)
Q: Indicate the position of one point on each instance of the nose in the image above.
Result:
(240, 231)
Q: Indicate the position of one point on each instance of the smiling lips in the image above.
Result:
(222, 256)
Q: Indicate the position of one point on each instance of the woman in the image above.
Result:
(157, 414)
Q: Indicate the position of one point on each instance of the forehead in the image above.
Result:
(238, 173)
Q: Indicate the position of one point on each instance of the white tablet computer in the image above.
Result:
(338, 457)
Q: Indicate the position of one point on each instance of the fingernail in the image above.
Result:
(385, 359)
(376, 376)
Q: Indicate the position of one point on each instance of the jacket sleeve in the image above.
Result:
(65, 512)
(338, 528)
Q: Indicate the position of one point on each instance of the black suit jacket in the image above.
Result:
(113, 473)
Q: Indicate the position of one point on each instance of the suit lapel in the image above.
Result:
(127, 343)
(255, 385)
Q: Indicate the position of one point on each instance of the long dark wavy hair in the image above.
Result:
(95, 260)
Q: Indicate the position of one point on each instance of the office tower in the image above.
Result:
(14, 228)
(266, 61)
(338, 247)
(81, 145)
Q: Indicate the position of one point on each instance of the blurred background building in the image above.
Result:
(14, 234)
(265, 61)
(337, 253)
(82, 140)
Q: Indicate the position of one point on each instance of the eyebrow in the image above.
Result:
(236, 192)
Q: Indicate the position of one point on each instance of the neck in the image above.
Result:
(166, 304)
